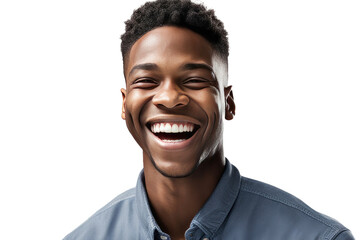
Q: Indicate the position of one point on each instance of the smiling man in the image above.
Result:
(175, 103)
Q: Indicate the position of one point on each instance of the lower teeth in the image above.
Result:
(173, 140)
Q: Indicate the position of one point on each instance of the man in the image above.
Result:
(175, 102)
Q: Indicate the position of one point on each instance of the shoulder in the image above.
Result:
(124, 198)
(286, 213)
(117, 212)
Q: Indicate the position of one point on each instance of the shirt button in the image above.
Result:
(163, 237)
(205, 239)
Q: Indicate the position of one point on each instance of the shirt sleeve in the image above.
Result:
(345, 235)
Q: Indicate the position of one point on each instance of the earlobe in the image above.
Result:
(229, 103)
(123, 93)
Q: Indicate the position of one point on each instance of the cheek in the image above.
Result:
(210, 100)
(135, 102)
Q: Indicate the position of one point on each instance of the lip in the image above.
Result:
(173, 118)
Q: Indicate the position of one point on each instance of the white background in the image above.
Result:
(65, 152)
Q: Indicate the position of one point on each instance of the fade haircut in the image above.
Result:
(181, 13)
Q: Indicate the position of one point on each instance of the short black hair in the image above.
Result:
(181, 13)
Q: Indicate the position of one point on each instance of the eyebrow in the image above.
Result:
(192, 66)
(144, 66)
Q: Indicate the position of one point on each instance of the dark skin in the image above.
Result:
(173, 75)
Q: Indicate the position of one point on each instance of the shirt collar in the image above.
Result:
(144, 210)
(211, 215)
(217, 207)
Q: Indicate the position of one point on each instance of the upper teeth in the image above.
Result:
(172, 127)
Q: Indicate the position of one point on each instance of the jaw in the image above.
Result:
(177, 157)
(185, 158)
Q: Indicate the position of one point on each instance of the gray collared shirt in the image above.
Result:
(239, 208)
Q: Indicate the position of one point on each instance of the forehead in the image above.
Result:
(170, 45)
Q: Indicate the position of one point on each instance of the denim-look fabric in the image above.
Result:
(238, 209)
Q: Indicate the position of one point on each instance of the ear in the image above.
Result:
(123, 93)
(229, 103)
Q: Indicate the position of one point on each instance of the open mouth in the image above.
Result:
(173, 132)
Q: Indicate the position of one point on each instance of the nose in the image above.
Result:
(170, 95)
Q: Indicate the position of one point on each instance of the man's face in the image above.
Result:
(174, 102)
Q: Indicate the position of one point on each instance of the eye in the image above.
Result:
(144, 83)
(196, 83)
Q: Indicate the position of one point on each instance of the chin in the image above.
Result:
(175, 169)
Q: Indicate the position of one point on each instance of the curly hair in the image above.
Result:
(181, 13)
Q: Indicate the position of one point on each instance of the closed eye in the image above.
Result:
(144, 83)
(196, 83)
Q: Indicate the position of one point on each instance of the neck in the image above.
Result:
(175, 201)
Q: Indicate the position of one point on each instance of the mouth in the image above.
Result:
(173, 132)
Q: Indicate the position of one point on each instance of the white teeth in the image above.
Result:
(168, 128)
(157, 127)
(173, 141)
(171, 127)
(162, 127)
(175, 128)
